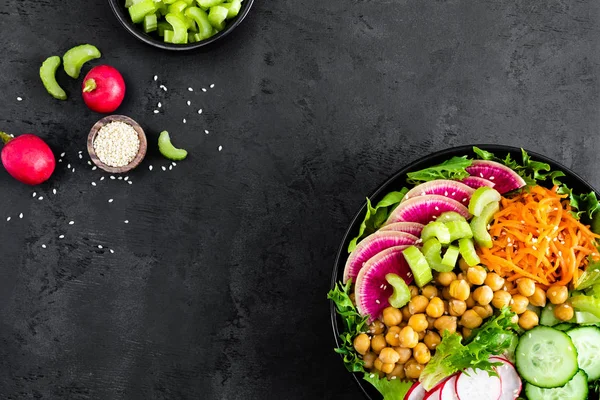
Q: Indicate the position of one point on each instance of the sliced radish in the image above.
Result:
(449, 389)
(511, 383)
(478, 385)
(433, 395)
(416, 392)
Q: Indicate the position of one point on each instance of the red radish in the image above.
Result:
(448, 391)
(416, 392)
(435, 392)
(27, 158)
(103, 89)
(511, 383)
(478, 384)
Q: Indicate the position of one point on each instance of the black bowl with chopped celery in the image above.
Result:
(180, 24)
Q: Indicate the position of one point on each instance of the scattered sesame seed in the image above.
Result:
(184, 121)
(446, 193)
(126, 178)
(41, 198)
(7, 219)
(73, 170)
(189, 103)
(155, 77)
(19, 98)
(68, 165)
(464, 200)
(204, 89)
(93, 183)
(71, 222)
(163, 168)
(89, 163)
(112, 251)
(174, 163)
(212, 85)
(170, 167)
(102, 178)
(156, 111)
(60, 160)
(220, 148)
(131, 183)
(206, 131)
(437, 208)
(377, 301)
(80, 156)
(43, 246)
(100, 246)
(62, 154)
(150, 168)
(61, 237)
(34, 194)
(21, 216)
(54, 191)
(159, 105)
(481, 174)
(190, 89)
(491, 178)
(94, 168)
(126, 221)
(200, 111)
(110, 200)
(120, 178)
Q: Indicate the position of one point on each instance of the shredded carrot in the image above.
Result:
(535, 236)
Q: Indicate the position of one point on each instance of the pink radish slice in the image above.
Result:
(478, 385)
(413, 228)
(511, 383)
(477, 182)
(433, 395)
(416, 392)
(443, 187)
(449, 389)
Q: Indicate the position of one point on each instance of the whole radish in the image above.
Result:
(103, 89)
(27, 158)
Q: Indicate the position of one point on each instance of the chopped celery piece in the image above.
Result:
(209, 3)
(178, 7)
(451, 256)
(162, 27)
(481, 198)
(438, 230)
(233, 8)
(217, 16)
(401, 295)
(169, 1)
(205, 29)
(459, 230)
(479, 225)
(138, 11)
(432, 250)
(167, 149)
(193, 37)
(48, 77)
(180, 34)
(418, 265)
(76, 56)
(168, 35)
(150, 23)
(468, 252)
(450, 216)
(129, 3)
(189, 2)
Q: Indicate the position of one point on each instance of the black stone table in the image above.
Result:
(216, 286)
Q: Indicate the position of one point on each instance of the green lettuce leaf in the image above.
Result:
(376, 216)
(585, 303)
(582, 204)
(590, 277)
(454, 168)
(394, 389)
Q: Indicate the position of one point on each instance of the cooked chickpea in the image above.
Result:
(429, 291)
(386, 368)
(377, 343)
(538, 298)
(501, 299)
(431, 340)
(408, 337)
(397, 372)
(362, 343)
(446, 278)
(456, 307)
(389, 356)
(376, 328)
(462, 264)
(392, 316)
(564, 312)
(404, 353)
(405, 313)
(446, 293)
(476, 275)
(483, 295)
(446, 322)
(421, 353)
(484, 311)
(557, 294)
(508, 286)
(494, 281)
(418, 304)
(461, 276)
(528, 320)
(435, 308)
(413, 369)
(460, 290)
(526, 286)
(414, 291)
(418, 322)
(519, 304)
(378, 364)
(470, 319)
(466, 332)
(421, 335)
(392, 337)
(430, 322)
(470, 301)
(369, 359)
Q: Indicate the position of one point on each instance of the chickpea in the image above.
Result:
(557, 294)
(462, 264)
(526, 286)
(369, 359)
(414, 291)
(383, 367)
(392, 337)
(389, 356)
(508, 286)
(431, 340)
(405, 313)
(446, 293)
(397, 372)
(494, 281)
(418, 322)
(470, 301)
(404, 353)
(484, 311)
(519, 304)
(421, 335)
(538, 298)
(483, 295)
(430, 322)
(418, 304)
(421, 353)
(470, 319)
(446, 322)
(376, 328)
(564, 312)
(408, 337)
(466, 332)
(413, 369)
(378, 364)
(378, 343)
(528, 320)
(501, 299)
(429, 291)
(435, 308)
(456, 307)
(392, 316)
(362, 343)
(446, 278)
(460, 290)
(402, 324)
(476, 275)
(462, 277)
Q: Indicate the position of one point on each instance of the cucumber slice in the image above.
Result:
(418, 265)
(587, 342)
(467, 251)
(575, 389)
(547, 317)
(481, 198)
(546, 357)
(401, 295)
(438, 230)
(459, 230)
(451, 256)
(479, 224)
(564, 326)
(450, 216)
(432, 250)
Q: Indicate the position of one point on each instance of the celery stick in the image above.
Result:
(217, 16)
(233, 8)
(138, 11)
(168, 34)
(205, 29)
(209, 3)
(180, 35)
(150, 23)
(163, 26)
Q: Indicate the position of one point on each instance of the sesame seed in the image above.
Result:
(163, 168)
(19, 98)
(206, 131)
(491, 178)
(21, 216)
(377, 301)
(126, 178)
(80, 156)
(372, 376)
(220, 148)
(437, 208)
(190, 89)
(68, 165)
(120, 178)
(204, 89)
(110, 200)
(41, 198)
(71, 222)
(174, 164)
(43, 246)
(200, 111)
(156, 111)
(446, 193)
(464, 200)
(61, 237)
(94, 168)
(159, 105)
(102, 178)
(100, 246)
(93, 183)
(7, 219)
(212, 85)
(150, 168)
(126, 221)
(112, 251)
(481, 174)
(54, 191)
(89, 163)
(189, 103)
(60, 160)
(131, 183)
(73, 170)
(170, 167)
(34, 194)
(62, 154)
(184, 121)
(155, 77)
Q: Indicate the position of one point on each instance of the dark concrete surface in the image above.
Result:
(216, 287)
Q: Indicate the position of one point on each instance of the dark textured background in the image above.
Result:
(217, 286)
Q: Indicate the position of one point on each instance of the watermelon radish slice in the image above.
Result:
(511, 383)
(424, 209)
(449, 389)
(416, 392)
(478, 384)
(436, 392)
(443, 187)
(372, 291)
(414, 228)
(505, 178)
(477, 182)
(372, 245)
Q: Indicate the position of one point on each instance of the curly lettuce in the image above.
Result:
(454, 168)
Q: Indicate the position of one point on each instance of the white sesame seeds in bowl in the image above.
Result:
(117, 144)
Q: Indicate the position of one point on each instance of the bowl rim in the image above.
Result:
(573, 178)
(118, 10)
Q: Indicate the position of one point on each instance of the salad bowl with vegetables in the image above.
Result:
(473, 274)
